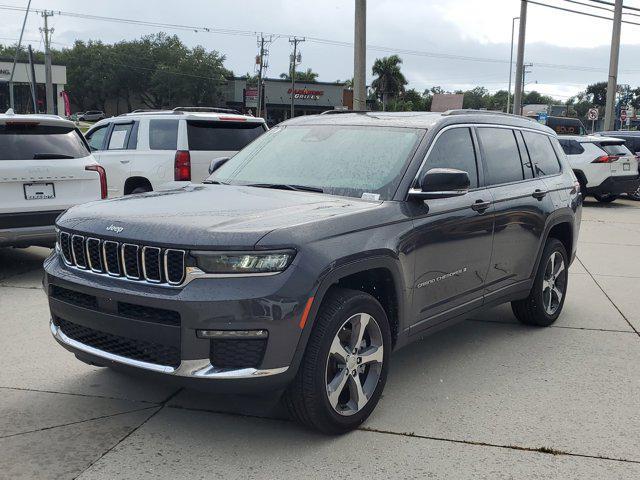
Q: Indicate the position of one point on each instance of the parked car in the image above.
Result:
(632, 142)
(91, 116)
(142, 151)
(604, 167)
(309, 256)
(45, 168)
(566, 125)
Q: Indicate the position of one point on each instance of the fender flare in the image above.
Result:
(556, 218)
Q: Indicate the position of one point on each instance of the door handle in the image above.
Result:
(539, 194)
(480, 206)
(125, 161)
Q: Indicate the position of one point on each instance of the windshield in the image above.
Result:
(352, 161)
(29, 141)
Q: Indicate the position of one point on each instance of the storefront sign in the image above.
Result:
(306, 94)
(251, 97)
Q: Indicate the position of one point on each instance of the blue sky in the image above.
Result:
(470, 28)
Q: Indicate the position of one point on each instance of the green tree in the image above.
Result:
(598, 93)
(390, 81)
(307, 76)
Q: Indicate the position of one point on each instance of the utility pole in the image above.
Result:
(513, 28)
(517, 96)
(612, 85)
(262, 63)
(32, 83)
(524, 80)
(15, 58)
(360, 57)
(46, 31)
(295, 59)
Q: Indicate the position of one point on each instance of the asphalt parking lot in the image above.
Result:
(488, 398)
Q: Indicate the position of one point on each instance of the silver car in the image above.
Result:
(92, 116)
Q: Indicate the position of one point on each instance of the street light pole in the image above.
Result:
(612, 85)
(15, 58)
(294, 60)
(360, 56)
(517, 96)
(513, 28)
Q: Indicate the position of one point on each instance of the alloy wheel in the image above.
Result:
(554, 283)
(354, 364)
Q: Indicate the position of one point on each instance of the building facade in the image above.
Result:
(309, 97)
(22, 90)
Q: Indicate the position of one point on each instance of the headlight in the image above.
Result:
(240, 262)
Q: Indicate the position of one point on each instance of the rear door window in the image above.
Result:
(454, 149)
(543, 156)
(120, 136)
(163, 134)
(206, 135)
(25, 141)
(501, 155)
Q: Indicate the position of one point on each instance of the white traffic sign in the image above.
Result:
(593, 114)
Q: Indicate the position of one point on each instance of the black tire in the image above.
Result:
(583, 187)
(140, 190)
(635, 195)
(306, 398)
(607, 198)
(531, 310)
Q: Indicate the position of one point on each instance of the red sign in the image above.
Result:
(306, 94)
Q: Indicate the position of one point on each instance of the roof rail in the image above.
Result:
(338, 112)
(466, 111)
(206, 109)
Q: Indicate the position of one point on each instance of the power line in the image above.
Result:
(613, 4)
(600, 8)
(579, 12)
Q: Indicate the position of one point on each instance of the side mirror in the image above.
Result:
(441, 183)
(216, 163)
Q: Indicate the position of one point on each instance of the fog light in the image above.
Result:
(232, 334)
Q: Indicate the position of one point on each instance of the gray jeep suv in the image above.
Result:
(316, 251)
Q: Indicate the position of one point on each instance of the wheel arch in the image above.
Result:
(134, 182)
(561, 225)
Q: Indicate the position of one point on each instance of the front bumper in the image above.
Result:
(92, 303)
(616, 185)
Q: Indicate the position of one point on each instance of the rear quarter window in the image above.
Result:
(206, 135)
(615, 149)
(571, 147)
(163, 134)
(24, 141)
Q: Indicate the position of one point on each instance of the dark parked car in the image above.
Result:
(316, 251)
(632, 142)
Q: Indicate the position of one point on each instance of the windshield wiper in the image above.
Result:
(284, 186)
(43, 156)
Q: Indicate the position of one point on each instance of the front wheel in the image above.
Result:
(545, 301)
(606, 198)
(345, 365)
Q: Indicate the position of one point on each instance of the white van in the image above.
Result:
(141, 151)
(45, 168)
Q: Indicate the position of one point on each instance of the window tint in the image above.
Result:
(542, 154)
(120, 136)
(454, 149)
(615, 149)
(571, 147)
(229, 136)
(29, 142)
(501, 155)
(163, 134)
(96, 138)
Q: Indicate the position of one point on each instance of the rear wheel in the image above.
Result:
(546, 299)
(606, 198)
(344, 368)
(583, 187)
(635, 195)
(140, 190)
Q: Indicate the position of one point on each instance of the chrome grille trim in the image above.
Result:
(74, 254)
(166, 266)
(143, 255)
(123, 262)
(145, 273)
(92, 267)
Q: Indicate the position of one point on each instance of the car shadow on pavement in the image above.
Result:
(14, 261)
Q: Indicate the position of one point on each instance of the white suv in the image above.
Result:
(604, 167)
(142, 151)
(45, 168)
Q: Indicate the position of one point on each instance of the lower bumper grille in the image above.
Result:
(140, 350)
(232, 353)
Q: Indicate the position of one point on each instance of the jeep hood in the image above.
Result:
(206, 216)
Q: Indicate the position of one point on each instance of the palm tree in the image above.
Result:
(306, 76)
(390, 82)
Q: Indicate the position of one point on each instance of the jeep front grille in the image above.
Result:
(127, 260)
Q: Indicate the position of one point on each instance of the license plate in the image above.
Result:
(39, 191)
(626, 167)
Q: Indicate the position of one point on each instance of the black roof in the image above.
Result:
(426, 120)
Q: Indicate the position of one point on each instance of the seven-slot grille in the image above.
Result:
(151, 264)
